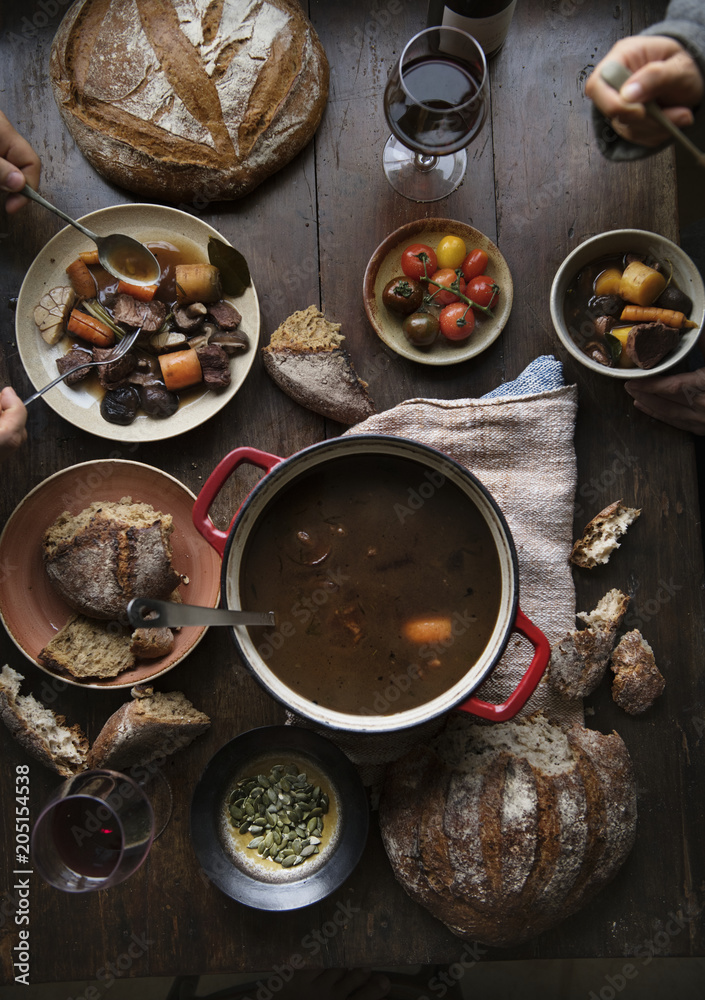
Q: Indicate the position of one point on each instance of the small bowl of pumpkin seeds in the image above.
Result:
(279, 818)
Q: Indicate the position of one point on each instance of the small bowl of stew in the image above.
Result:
(628, 304)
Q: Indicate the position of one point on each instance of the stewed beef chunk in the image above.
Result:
(69, 361)
(226, 316)
(114, 373)
(148, 315)
(215, 365)
(649, 343)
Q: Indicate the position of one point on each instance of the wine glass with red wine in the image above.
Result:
(94, 832)
(436, 103)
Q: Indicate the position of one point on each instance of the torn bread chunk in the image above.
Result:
(151, 726)
(601, 536)
(579, 660)
(38, 730)
(638, 682)
(307, 360)
(86, 648)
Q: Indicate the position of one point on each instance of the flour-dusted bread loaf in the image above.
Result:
(503, 831)
(88, 648)
(151, 726)
(189, 100)
(101, 558)
(579, 660)
(601, 536)
(38, 730)
(307, 360)
(638, 682)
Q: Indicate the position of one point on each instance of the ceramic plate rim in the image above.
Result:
(63, 247)
(473, 238)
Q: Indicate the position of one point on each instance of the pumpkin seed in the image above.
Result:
(308, 850)
(289, 861)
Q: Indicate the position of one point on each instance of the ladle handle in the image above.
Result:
(526, 686)
(31, 193)
(213, 485)
(168, 614)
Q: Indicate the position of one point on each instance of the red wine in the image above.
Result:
(434, 111)
(486, 20)
(88, 840)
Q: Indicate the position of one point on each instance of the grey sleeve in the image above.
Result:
(684, 21)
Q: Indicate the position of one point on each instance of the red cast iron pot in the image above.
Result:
(280, 472)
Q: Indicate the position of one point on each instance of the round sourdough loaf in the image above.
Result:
(502, 831)
(189, 100)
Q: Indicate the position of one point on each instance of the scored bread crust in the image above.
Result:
(189, 99)
(601, 535)
(37, 729)
(306, 359)
(151, 726)
(503, 831)
(102, 557)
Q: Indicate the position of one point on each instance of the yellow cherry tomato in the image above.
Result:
(451, 252)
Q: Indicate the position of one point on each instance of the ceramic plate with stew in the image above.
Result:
(183, 239)
(385, 264)
(33, 612)
(262, 777)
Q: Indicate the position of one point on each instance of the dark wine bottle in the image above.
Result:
(486, 20)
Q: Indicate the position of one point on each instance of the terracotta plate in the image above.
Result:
(385, 264)
(32, 611)
(151, 224)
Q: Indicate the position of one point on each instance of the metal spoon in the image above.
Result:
(122, 256)
(616, 75)
(166, 614)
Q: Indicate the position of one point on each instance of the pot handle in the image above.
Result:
(213, 486)
(526, 686)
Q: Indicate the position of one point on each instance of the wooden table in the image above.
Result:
(537, 185)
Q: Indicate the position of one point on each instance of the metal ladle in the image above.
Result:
(168, 614)
(122, 256)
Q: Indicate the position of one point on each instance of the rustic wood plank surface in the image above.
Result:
(538, 186)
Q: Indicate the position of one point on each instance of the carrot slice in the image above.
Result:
(82, 281)
(89, 257)
(90, 329)
(145, 293)
(180, 369)
(655, 314)
(427, 629)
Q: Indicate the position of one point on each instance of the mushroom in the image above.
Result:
(230, 341)
(167, 341)
(189, 318)
(52, 312)
(598, 352)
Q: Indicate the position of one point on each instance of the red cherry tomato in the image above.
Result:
(446, 277)
(457, 321)
(474, 264)
(412, 263)
(483, 290)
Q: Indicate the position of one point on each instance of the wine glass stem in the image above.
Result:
(425, 162)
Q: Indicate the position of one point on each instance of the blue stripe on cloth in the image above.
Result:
(541, 375)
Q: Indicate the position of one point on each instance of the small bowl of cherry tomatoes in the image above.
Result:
(437, 291)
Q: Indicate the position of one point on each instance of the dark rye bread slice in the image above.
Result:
(502, 831)
(38, 730)
(189, 100)
(150, 727)
(306, 359)
(110, 552)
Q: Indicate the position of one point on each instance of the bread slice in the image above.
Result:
(110, 552)
(579, 660)
(151, 726)
(601, 536)
(37, 729)
(306, 359)
(638, 682)
(87, 648)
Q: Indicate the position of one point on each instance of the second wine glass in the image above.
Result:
(435, 103)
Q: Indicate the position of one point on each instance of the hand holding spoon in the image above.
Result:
(616, 75)
(122, 256)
